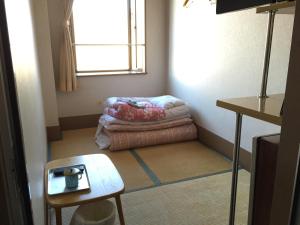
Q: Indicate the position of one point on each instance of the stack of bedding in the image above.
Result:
(130, 122)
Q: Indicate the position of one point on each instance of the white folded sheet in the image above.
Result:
(165, 101)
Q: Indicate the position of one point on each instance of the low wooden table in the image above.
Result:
(105, 182)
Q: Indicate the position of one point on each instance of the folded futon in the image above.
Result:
(130, 122)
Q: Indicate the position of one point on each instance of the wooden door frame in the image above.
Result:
(14, 188)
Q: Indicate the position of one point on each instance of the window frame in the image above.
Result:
(130, 71)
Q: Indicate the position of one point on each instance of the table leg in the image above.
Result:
(120, 210)
(58, 216)
(235, 167)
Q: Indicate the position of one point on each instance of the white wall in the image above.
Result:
(221, 56)
(45, 62)
(92, 90)
(25, 63)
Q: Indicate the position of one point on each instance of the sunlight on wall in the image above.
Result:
(221, 56)
(188, 51)
(22, 53)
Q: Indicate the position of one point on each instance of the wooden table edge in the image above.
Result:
(277, 120)
(84, 201)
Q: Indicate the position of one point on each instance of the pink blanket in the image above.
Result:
(137, 111)
(127, 140)
(157, 126)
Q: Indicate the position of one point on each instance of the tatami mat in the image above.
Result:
(180, 161)
(75, 142)
(146, 167)
(81, 142)
(132, 173)
(193, 201)
(203, 201)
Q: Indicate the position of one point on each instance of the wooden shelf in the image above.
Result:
(287, 7)
(267, 110)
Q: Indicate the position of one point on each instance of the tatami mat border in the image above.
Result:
(146, 168)
(156, 180)
(182, 180)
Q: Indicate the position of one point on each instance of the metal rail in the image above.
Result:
(235, 167)
(264, 83)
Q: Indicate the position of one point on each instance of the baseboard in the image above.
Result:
(79, 122)
(54, 133)
(223, 146)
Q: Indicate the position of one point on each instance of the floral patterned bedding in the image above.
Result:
(142, 112)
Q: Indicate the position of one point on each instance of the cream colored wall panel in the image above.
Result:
(29, 93)
(45, 61)
(221, 56)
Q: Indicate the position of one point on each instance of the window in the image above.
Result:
(109, 36)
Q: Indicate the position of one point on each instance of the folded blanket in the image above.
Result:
(157, 126)
(107, 120)
(109, 102)
(129, 113)
(126, 140)
(165, 101)
(147, 115)
(177, 111)
(139, 112)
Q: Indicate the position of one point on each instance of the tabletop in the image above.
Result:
(105, 180)
(267, 109)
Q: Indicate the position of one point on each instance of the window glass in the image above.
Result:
(98, 58)
(109, 35)
(100, 21)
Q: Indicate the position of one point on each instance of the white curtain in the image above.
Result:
(67, 76)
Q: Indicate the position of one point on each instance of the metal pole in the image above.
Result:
(235, 167)
(264, 83)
